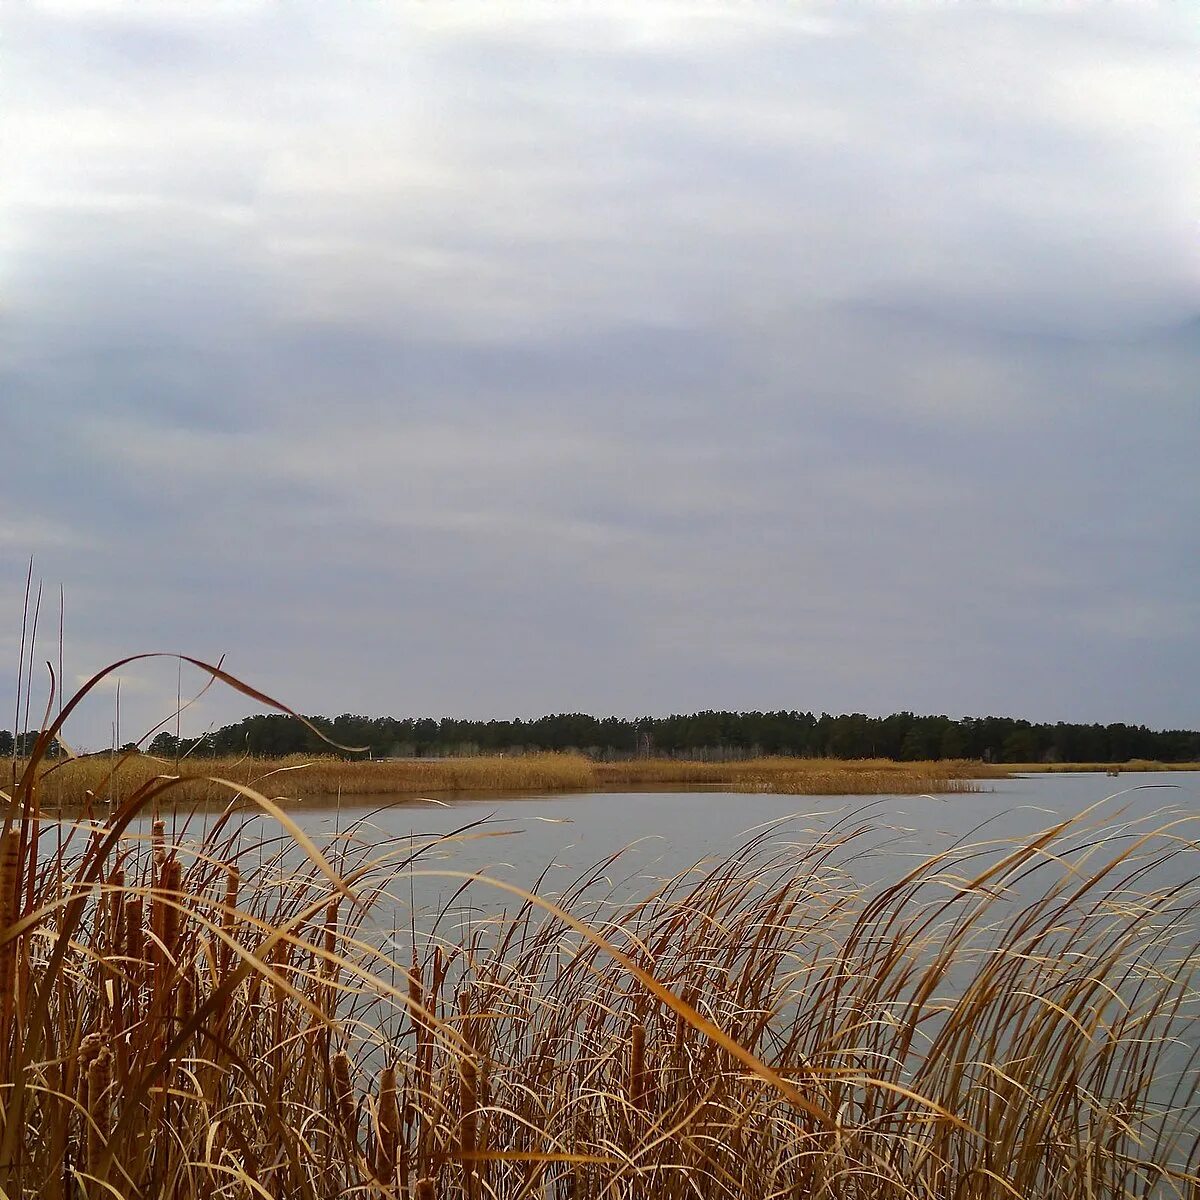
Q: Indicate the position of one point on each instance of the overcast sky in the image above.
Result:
(495, 359)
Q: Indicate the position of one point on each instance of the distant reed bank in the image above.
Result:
(99, 778)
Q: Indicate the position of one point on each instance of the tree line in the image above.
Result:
(705, 735)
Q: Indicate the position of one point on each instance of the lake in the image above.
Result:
(661, 832)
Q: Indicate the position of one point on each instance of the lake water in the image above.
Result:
(656, 834)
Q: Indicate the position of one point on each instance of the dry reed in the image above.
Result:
(94, 780)
(239, 1018)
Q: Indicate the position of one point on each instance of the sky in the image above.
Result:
(625, 357)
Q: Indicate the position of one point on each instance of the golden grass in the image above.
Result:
(99, 777)
(96, 778)
(804, 776)
(1133, 764)
(211, 1016)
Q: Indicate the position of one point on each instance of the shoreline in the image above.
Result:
(72, 786)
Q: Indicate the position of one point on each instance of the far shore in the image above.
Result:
(97, 779)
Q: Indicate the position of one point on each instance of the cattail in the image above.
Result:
(158, 841)
(254, 987)
(281, 959)
(387, 1126)
(89, 1050)
(637, 1066)
(343, 1094)
(99, 1078)
(135, 933)
(155, 915)
(425, 1190)
(327, 969)
(10, 870)
(172, 884)
(116, 908)
(405, 1159)
(185, 999)
(164, 921)
(415, 997)
(440, 966)
(464, 1012)
(468, 1102)
(331, 916)
(134, 950)
(681, 1026)
(233, 881)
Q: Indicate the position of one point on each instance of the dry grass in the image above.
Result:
(98, 777)
(806, 776)
(216, 1016)
(94, 779)
(1133, 764)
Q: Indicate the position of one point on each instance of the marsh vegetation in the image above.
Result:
(199, 1008)
(96, 779)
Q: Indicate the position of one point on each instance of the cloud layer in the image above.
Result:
(498, 360)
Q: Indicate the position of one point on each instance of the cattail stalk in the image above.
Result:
(99, 1079)
(10, 871)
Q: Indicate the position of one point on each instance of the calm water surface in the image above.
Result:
(555, 838)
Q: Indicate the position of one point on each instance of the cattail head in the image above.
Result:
(331, 917)
(185, 998)
(464, 1012)
(233, 881)
(343, 1093)
(135, 933)
(415, 995)
(327, 969)
(426, 1190)
(281, 957)
(158, 841)
(387, 1122)
(89, 1050)
(116, 908)
(99, 1079)
(637, 1065)
(170, 879)
(468, 1095)
(10, 871)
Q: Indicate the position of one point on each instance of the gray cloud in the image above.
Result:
(633, 358)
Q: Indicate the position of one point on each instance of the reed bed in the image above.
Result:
(806, 776)
(98, 779)
(208, 1012)
(1133, 764)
